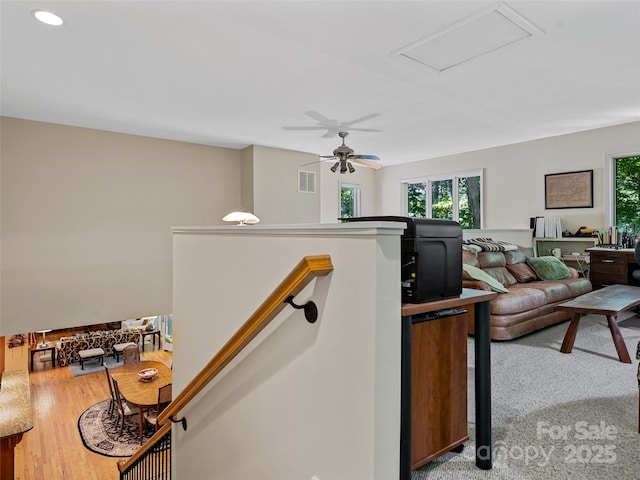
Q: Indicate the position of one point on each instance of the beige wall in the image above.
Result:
(332, 182)
(275, 186)
(302, 400)
(87, 216)
(514, 175)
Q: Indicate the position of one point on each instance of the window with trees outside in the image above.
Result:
(349, 200)
(626, 202)
(456, 196)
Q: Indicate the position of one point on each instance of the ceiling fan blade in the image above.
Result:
(303, 128)
(318, 117)
(365, 160)
(312, 163)
(373, 130)
(365, 157)
(323, 158)
(331, 132)
(362, 119)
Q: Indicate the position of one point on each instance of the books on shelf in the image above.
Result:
(609, 236)
(550, 227)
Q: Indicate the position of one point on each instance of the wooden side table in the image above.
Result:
(154, 334)
(50, 347)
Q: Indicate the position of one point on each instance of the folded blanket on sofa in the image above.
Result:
(489, 245)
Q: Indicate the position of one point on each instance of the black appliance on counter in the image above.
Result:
(431, 254)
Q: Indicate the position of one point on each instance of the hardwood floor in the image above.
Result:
(53, 449)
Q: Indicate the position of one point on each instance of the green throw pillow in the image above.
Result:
(478, 274)
(549, 268)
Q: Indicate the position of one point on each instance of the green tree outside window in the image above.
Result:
(627, 201)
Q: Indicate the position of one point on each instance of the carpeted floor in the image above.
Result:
(555, 415)
(100, 432)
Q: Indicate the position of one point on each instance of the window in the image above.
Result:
(349, 200)
(626, 201)
(456, 196)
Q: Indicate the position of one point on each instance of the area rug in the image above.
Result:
(100, 432)
(555, 415)
(94, 366)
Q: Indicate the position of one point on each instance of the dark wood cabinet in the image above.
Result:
(438, 387)
(433, 393)
(612, 267)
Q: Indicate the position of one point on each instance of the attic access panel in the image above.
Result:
(470, 38)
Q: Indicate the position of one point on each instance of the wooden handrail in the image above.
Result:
(125, 464)
(307, 269)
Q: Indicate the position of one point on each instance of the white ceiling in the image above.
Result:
(238, 73)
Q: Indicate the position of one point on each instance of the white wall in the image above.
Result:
(317, 399)
(514, 176)
(87, 216)
(331, 185)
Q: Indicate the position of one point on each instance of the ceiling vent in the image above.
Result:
(306, 181)
(481, 33)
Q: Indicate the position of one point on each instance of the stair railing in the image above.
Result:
(152, 460)
(302, 274)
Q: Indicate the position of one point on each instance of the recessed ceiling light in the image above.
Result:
(49, 18)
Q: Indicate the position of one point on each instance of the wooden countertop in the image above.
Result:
(467, 297)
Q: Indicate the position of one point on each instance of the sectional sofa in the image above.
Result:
(68, 347)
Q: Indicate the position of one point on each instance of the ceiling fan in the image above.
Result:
(344, 155)
(333, 126)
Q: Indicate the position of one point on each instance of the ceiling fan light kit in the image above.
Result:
(345, 155)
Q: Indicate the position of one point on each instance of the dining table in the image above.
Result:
(137, 391)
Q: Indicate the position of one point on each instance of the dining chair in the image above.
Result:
(112, 403)
(131, 354)
(124, 408)
(164, 399)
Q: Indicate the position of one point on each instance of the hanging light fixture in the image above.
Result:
(242, 216)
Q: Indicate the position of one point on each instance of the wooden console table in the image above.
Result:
(16, 417)
(451, 338)
(611, 266)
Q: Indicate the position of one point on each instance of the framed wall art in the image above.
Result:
(568, 190)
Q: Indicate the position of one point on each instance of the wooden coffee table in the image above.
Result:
(608, 301)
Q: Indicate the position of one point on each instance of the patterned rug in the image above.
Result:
(100, 432)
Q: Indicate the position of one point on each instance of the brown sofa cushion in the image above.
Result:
(491, 259)
(516, 256)
(518, 300)
(470, 258)
(522, 272)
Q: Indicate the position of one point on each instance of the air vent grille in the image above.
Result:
(306, 181)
